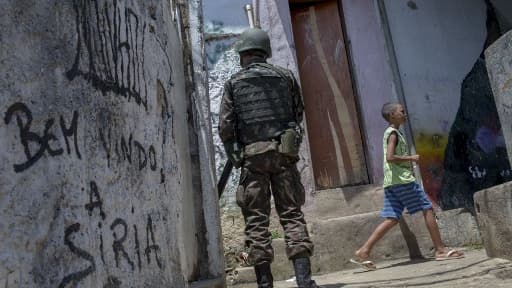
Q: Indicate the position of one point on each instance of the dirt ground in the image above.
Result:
(233, 226)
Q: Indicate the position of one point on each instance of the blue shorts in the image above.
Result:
(398, 197)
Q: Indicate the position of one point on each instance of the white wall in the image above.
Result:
(372, 75)
(95, 159)
(210, 256)
(436, 45)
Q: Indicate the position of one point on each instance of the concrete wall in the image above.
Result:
(435, 47)
(95, 171)
(499, 66)
(374, 86)
(206, 201)
(494, 215)
(493, 206)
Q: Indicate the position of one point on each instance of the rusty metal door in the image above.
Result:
(334, 133)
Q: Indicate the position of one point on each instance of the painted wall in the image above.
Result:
(436, 44)
(372, 75)
(95, 161)
(436, 47)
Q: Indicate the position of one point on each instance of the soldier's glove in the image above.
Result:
(235, 153)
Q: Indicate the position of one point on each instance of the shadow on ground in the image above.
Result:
(399, 280)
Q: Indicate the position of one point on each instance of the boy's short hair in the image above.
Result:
(388, 109)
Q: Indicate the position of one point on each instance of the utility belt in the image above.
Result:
(287, 143)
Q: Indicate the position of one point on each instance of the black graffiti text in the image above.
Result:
(126, 149)
(78, 276)
(95, 200)
(110, 49)
(121, 243)
(121, 232)
(44, 142)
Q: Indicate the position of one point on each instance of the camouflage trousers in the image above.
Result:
(276, 174)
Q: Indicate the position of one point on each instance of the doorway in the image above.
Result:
(332, 118)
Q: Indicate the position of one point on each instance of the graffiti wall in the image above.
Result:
(93, 145)
(448, 97)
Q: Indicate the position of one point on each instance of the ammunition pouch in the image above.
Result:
(289, 143)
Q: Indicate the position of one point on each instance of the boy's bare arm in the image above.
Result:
(390, 152)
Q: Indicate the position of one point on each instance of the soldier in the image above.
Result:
(259, 125)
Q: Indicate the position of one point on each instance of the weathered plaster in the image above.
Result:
(95, 160)
(435, 47)
(213, 268)
(499, 67)
(374, 86)
(493, 208)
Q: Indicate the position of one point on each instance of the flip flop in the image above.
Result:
(365, 264)
(449, 255)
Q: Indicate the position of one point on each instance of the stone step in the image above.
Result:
(336, 239)
(346, 201)
(494, 213)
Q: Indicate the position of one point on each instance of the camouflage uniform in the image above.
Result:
(258, 104)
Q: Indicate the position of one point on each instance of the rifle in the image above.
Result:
(228, 167)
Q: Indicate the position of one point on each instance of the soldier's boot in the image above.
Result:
(264, 275)
(302, 267)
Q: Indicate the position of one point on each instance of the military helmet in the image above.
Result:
(254, 39)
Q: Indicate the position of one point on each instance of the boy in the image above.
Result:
(401, 191)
